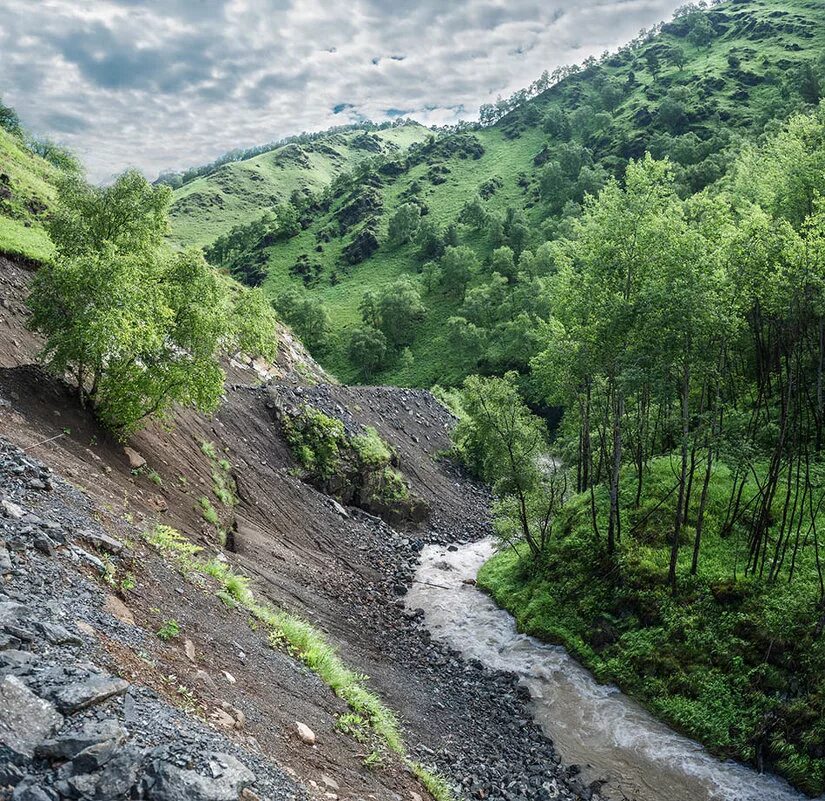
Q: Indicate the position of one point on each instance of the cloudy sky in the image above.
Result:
(173, 83)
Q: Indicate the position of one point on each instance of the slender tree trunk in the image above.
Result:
(680, 502)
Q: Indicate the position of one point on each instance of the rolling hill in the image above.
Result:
(237, 192)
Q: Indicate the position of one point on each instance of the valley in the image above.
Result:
(397, 462)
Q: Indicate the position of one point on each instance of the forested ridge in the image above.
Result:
(464, 218)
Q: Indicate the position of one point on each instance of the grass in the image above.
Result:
(239, 192)
(169, 630)
(208, 511)
(28, 188)
(735, 663)
(304, 642)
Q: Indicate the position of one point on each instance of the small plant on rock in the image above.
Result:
(169, 630)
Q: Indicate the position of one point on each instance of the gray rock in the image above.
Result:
(8, 641)
(87, 692)
(31, 792)
(57, 634)
(12, 510)
(5, 561)
(12, 612)
(68, 746)
(94, 757)
(167, 782)
(17, 663)
(25, 720)
(119, 774)
(101, 541)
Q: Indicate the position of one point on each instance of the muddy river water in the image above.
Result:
(593, 725)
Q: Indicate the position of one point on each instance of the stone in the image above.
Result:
(44, 544)
(136, 461)
(57, 634)
(237, 715)
(5, 561)
(164, 781)
(100, 540)
(328, 781)
(202, 677)
(68, 746)
(9, 641)
(223, 719)
(12, 510)
(85, 627)
(120, 773)
(305, 734)
(94, 757)
(118, 610)
(11, 612)
(84, 693)
(30, 792)
(228, 676)
(25, 720)
(18, 663)
(189, 649)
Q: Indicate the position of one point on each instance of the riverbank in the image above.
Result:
(607, 733)
(732, 663)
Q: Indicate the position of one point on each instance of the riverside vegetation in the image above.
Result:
(632, 248)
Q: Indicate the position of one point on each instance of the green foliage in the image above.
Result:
(367, 350)
(139, 329)
(316, 440)
(169, 630)
(208, 511)
(730, 662)
(307, 316)
(370, 448)
(399, 311)
(403, 225)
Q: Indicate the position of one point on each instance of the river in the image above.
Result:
(593, 725)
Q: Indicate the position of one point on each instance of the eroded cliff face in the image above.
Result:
(202, 696)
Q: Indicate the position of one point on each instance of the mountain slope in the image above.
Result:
(26, 189)
(691, 92)
(238, 192)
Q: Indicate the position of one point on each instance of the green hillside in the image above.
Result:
(238, 192)
(691, 91)
(26, 189)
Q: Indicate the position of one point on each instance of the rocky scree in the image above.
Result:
(69, 728)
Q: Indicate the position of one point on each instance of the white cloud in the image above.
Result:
(173, 83)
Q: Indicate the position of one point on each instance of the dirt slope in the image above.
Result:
(343, 570)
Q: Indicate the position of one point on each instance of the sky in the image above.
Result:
(169, 84)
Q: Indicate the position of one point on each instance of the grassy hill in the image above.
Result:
(26, 189)
(692, 91)
(237, 192)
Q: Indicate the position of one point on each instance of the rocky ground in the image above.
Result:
(70, 728)
(342, 569)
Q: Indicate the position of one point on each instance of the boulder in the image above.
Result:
(68, 746)
(305, 734)
(136, 461)
(164, 781)
(25, 720)
(94, 689)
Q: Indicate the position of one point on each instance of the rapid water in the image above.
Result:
(593, 725)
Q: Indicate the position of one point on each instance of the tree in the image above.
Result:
(557, 123)
(367, 350)
(652, 60)
(404, 224)
(368, 307)
(457, 267)
(307, 316)
(9, 120)
(429, 241)
(138, 328)
(701, 31)
(503, 261)
(677, 57)
(501, 440)
(474, 214)
(400, 310)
